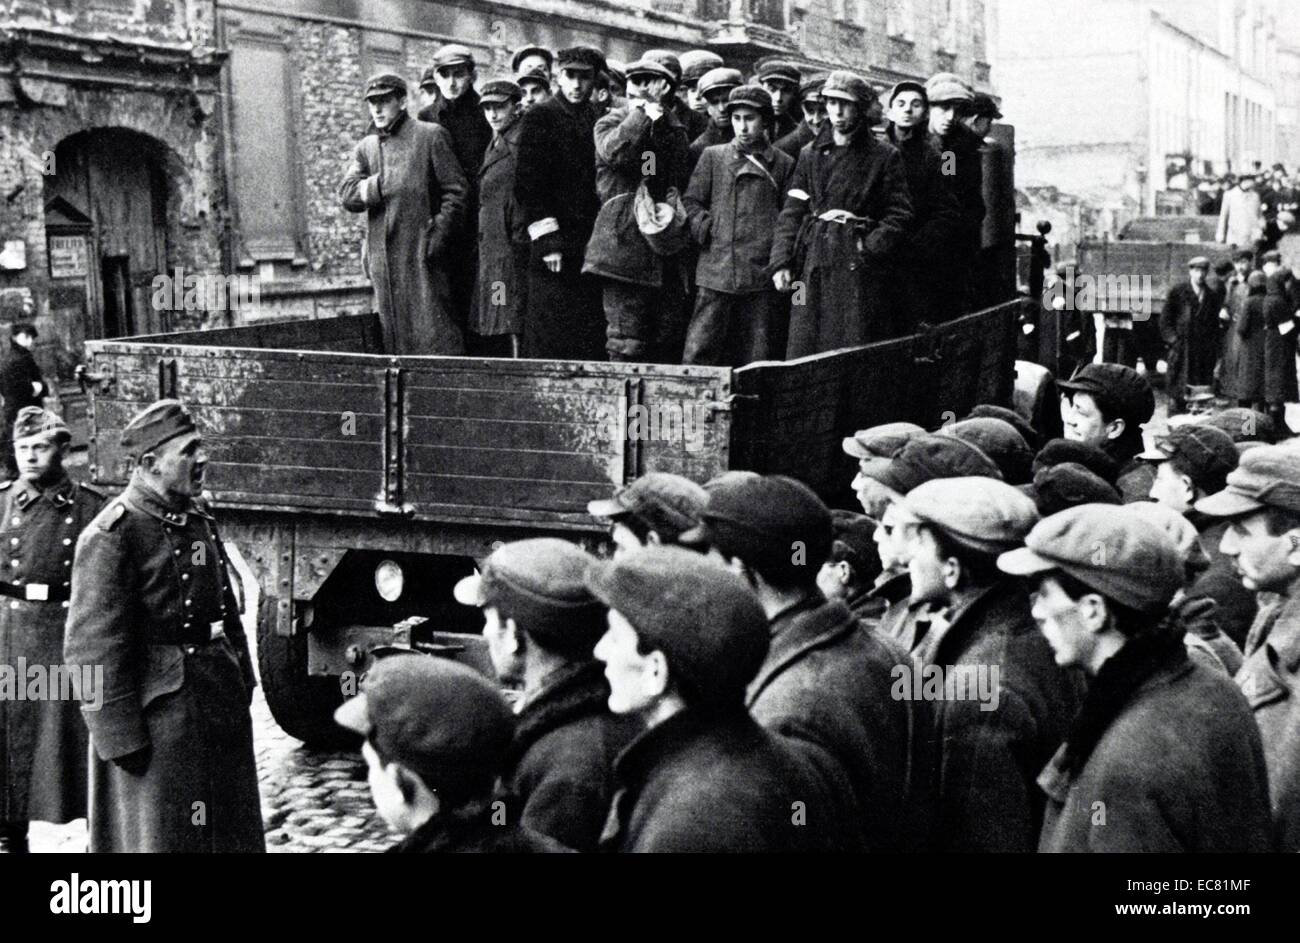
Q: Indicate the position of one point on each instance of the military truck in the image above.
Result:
(359, 487)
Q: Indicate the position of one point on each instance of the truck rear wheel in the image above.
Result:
(302, 705)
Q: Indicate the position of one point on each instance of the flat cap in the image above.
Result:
(981, 514)
(1091, 457)
(927, 457)
(539, 583)
(720, 78)
(1067, 485)
(881, 441)
(1180, 530)
(696, 62)
(1243, 424)
(453, 54)
(1272, 255)
(1199, 261)
(985, 107)
(440, 719)
(776, 70)
(666, 59)
(854, 540)
(947, 87)
(34, 421)
(1124, 557)
(844, 84)
(702, 616)
(999, 441)
(1204, 453)
(385, 83)
(908, 85)
(525, 51)
(615, 69)
(1267, 476)
(1021, 424)
(580, 58)
(649, 67)
(750, 96)
(1119, 390)
(667, 503)
(152, 426)
(536, 75)
(811, 87)
(500, 90)
(765, 520)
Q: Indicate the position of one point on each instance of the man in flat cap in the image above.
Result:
(500, 296)
(655, 509)
(1189, 326)
(641, 142)
(1280, 323)
(696, 63)
(541, 625)
(1010, 705)
(824, 685)
(533, 60)
(1105, 405)
(715, 88)
(781, 80)
(733, 202)
(405, 177)
(960, 151)
(437, 736)
(1161, 756)
(42, 741)
(814, 116)
(844, 220)
(692, 121)
(536, 88)
(555, 184)
(172, 767)
(685, 637)
(1241, 220)
(1262, 505)
(21, 385)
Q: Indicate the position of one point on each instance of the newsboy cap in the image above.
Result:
(765, 521)
(855, 542)
(1125, 557)
(702, 616)
(947, 87)
(1205, 454)
(1200, 262)
(385, 83)
(881, 441)
(696, 62)
(981, 514)
(1180, 530)
(453, 54)
(1272, 255)
(668, 504)
(1067, 485)
(650, 68)
(750, 96)
(439, 719)
(536, 75)
(1267, 476)
(776, 70)
(1241, 423)
(501, 90)
(1019, 422)
(1120, 391)
(525, 51)
(985, 107)
(1091, 457)
(34, 421)
(927, 457)
(580, 58)
(811, 87)
(155, 424)
(720, 78)
(539, 583)
(999, 441)
(845, 85)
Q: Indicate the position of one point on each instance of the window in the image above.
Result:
(900, 19)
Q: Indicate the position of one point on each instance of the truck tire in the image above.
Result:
(303, 706)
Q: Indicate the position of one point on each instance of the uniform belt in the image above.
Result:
(36, 592)
(212, 631)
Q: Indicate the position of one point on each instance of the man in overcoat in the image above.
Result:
(500, 296)
(961, 159)
(1189, 325)
(152, 605)
(845, 217)
(407, 180)
(42, 740)
(21, 385)
(555, 184)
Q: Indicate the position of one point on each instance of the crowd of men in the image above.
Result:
(988, 654)
(667, 209)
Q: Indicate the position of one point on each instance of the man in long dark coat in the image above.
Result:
(500, 296)
(152, 606)
(555, 184)
(959, 149)
(847, 212)
(21, 385)
(407, 180)
(1189, 325)
(42, 741)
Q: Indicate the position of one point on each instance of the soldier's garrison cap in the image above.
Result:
(981, 514)
(501, 90)
(152, 426)
(1267, 476)
(385, 83)
(34, 421)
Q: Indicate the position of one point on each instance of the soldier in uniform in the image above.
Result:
(42, 742)
(173, 766)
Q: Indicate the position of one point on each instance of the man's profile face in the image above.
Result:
(1172, 488)
(385, 109)
(1261, 558)
(1083, 420)
(925, 566)
(454, 81)
(1059, 619)
(907, 109)
(385, 792)
(694, 100)
(575, 84)
(626, 669)
(503, 649)
(178, 466)
(39, 458)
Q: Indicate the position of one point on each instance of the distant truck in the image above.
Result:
(1133, 278)
(360, 487)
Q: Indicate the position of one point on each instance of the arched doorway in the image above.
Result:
(116, 178)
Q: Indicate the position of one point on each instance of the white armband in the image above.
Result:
(799, 194)
(543, 227)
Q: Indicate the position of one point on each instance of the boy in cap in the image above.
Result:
(42, 742)
(853, 566)
(733, 201)
(693, 122)
(500, 297)
(533, 60)
(436, 739)
(555, 184)
(996, 735)
(639, 142)
(781, 82)
(655, 509)
(1105, 405)
(814, 116)
(1161, 756)
(407, 180)
(21, 385)
(952, 101)
(934, 207)
(1189, 327)
(152, 608)
(715, 89)
(846, 215)
(824, 685)
(685, 637)
(541, 625)
(1262, 505)
(535, 86)
(696, 63)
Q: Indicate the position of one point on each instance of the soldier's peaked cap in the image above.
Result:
(152, 426)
